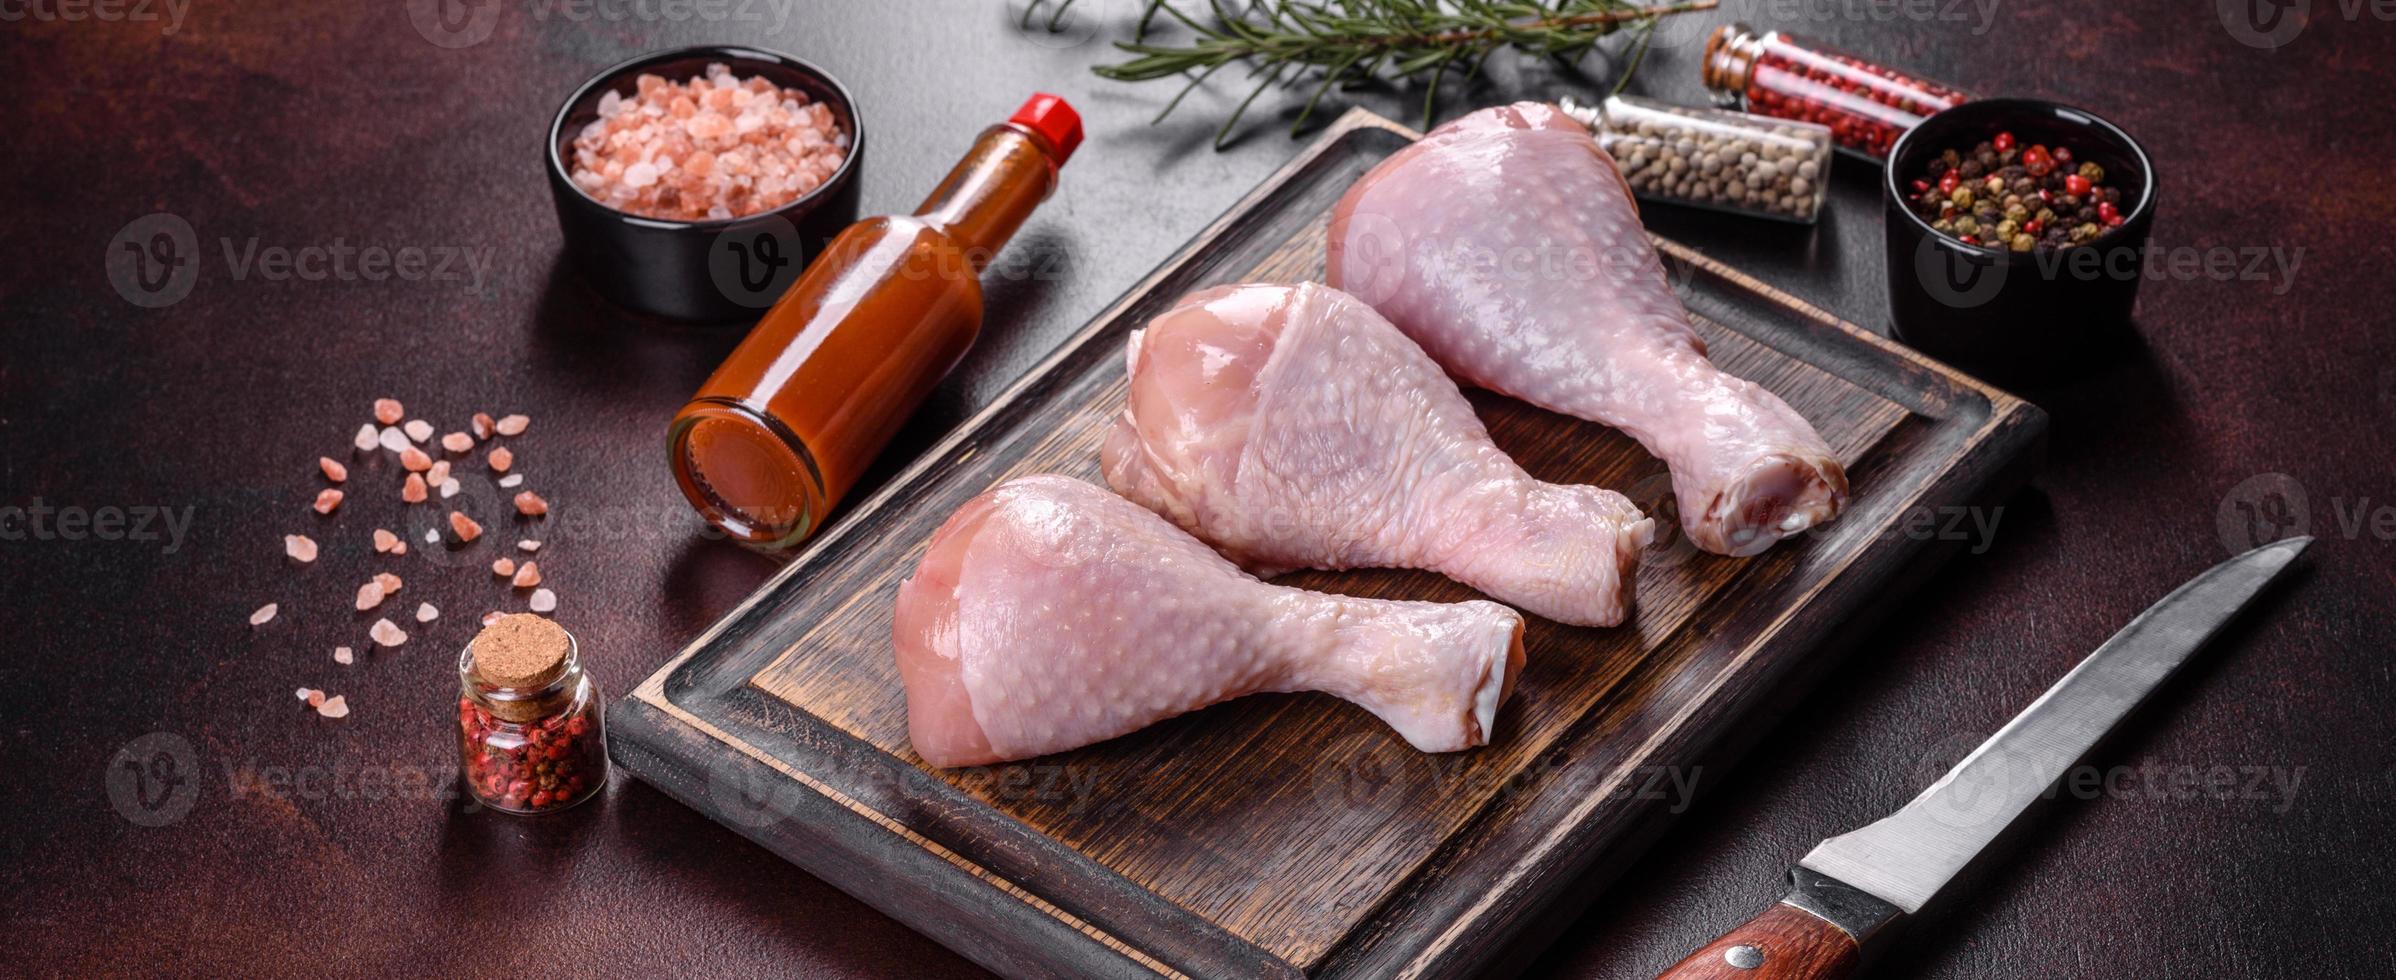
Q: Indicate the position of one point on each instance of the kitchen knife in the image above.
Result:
(1853, 885)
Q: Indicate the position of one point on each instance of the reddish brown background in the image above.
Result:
(315, 123)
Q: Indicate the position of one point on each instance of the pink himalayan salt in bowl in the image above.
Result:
(717, 146)
(675, 260)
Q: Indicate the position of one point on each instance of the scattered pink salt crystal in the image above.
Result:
(392, 439)
(387, 633)
(413, 491)
(299, 547)
(504, 567)
(449, 488)
(370, 595)
(543, 601)
(384, 540)
(415, 460)
(432, 536)
(530, 504)
(528, 545)
(388, 411)
(333, 470)
(327, 499)
(342, 655)
(464, 526)
(336, 706)
(418, 430)
(482, 425)
(493, 616)
(315, 698)
(425, 612)
(388, 581)
(457, 442)
(399, 547)
(513, 425)
(366, 439)
(437, 473)
(501, 459)
(302, 693)
(511, 480)
(527, 575)
(264, 613)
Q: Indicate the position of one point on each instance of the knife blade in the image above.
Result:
(1851, 886)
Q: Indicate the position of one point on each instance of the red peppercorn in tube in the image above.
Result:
(1865, 105)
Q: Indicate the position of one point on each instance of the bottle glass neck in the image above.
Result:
(991, 192)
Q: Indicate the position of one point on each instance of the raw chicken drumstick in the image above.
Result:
(1049, 613)
(1507, 245)
(1293, 427)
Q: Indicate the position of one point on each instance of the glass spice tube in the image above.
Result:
(529, 732)
(1865, 105)
(1713, 158)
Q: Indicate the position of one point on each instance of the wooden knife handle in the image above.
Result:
(1783, 943)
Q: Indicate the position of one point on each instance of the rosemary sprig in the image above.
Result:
(1324, 43)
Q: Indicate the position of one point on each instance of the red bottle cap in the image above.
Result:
(1054, 120)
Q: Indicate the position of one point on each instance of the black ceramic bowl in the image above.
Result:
(703, 271)
(2027, 318)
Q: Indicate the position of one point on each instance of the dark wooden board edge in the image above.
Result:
(1518, 920)
(903, 879)
(1569, 899)
(664, 741)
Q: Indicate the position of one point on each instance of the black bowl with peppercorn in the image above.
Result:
(2016, 237)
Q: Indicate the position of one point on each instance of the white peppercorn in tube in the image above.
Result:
(1716, 159)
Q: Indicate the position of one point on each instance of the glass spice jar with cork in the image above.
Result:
(1712, 158)
(529, 729)
(1866, 106)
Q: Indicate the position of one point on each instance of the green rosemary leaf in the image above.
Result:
(1322, 43)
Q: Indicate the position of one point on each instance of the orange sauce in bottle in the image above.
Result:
(784, 428)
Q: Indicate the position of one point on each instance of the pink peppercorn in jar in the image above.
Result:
(1865, 105)
(529, 731)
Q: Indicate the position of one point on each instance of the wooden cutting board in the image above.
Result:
(1289, 835)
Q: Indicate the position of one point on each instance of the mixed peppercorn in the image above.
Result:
(2000, 194)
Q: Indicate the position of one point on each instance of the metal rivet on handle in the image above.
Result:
(1743, 957)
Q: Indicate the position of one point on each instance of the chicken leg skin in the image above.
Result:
(1507, 244)
(1293, 427)
(1048, 613)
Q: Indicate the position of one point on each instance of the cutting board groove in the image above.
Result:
(1293, 834)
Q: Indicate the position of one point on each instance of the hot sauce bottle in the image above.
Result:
(783, 429)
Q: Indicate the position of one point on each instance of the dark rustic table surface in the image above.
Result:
(156, 443)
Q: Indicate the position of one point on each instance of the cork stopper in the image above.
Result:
(521, 651)
(1729, 58)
